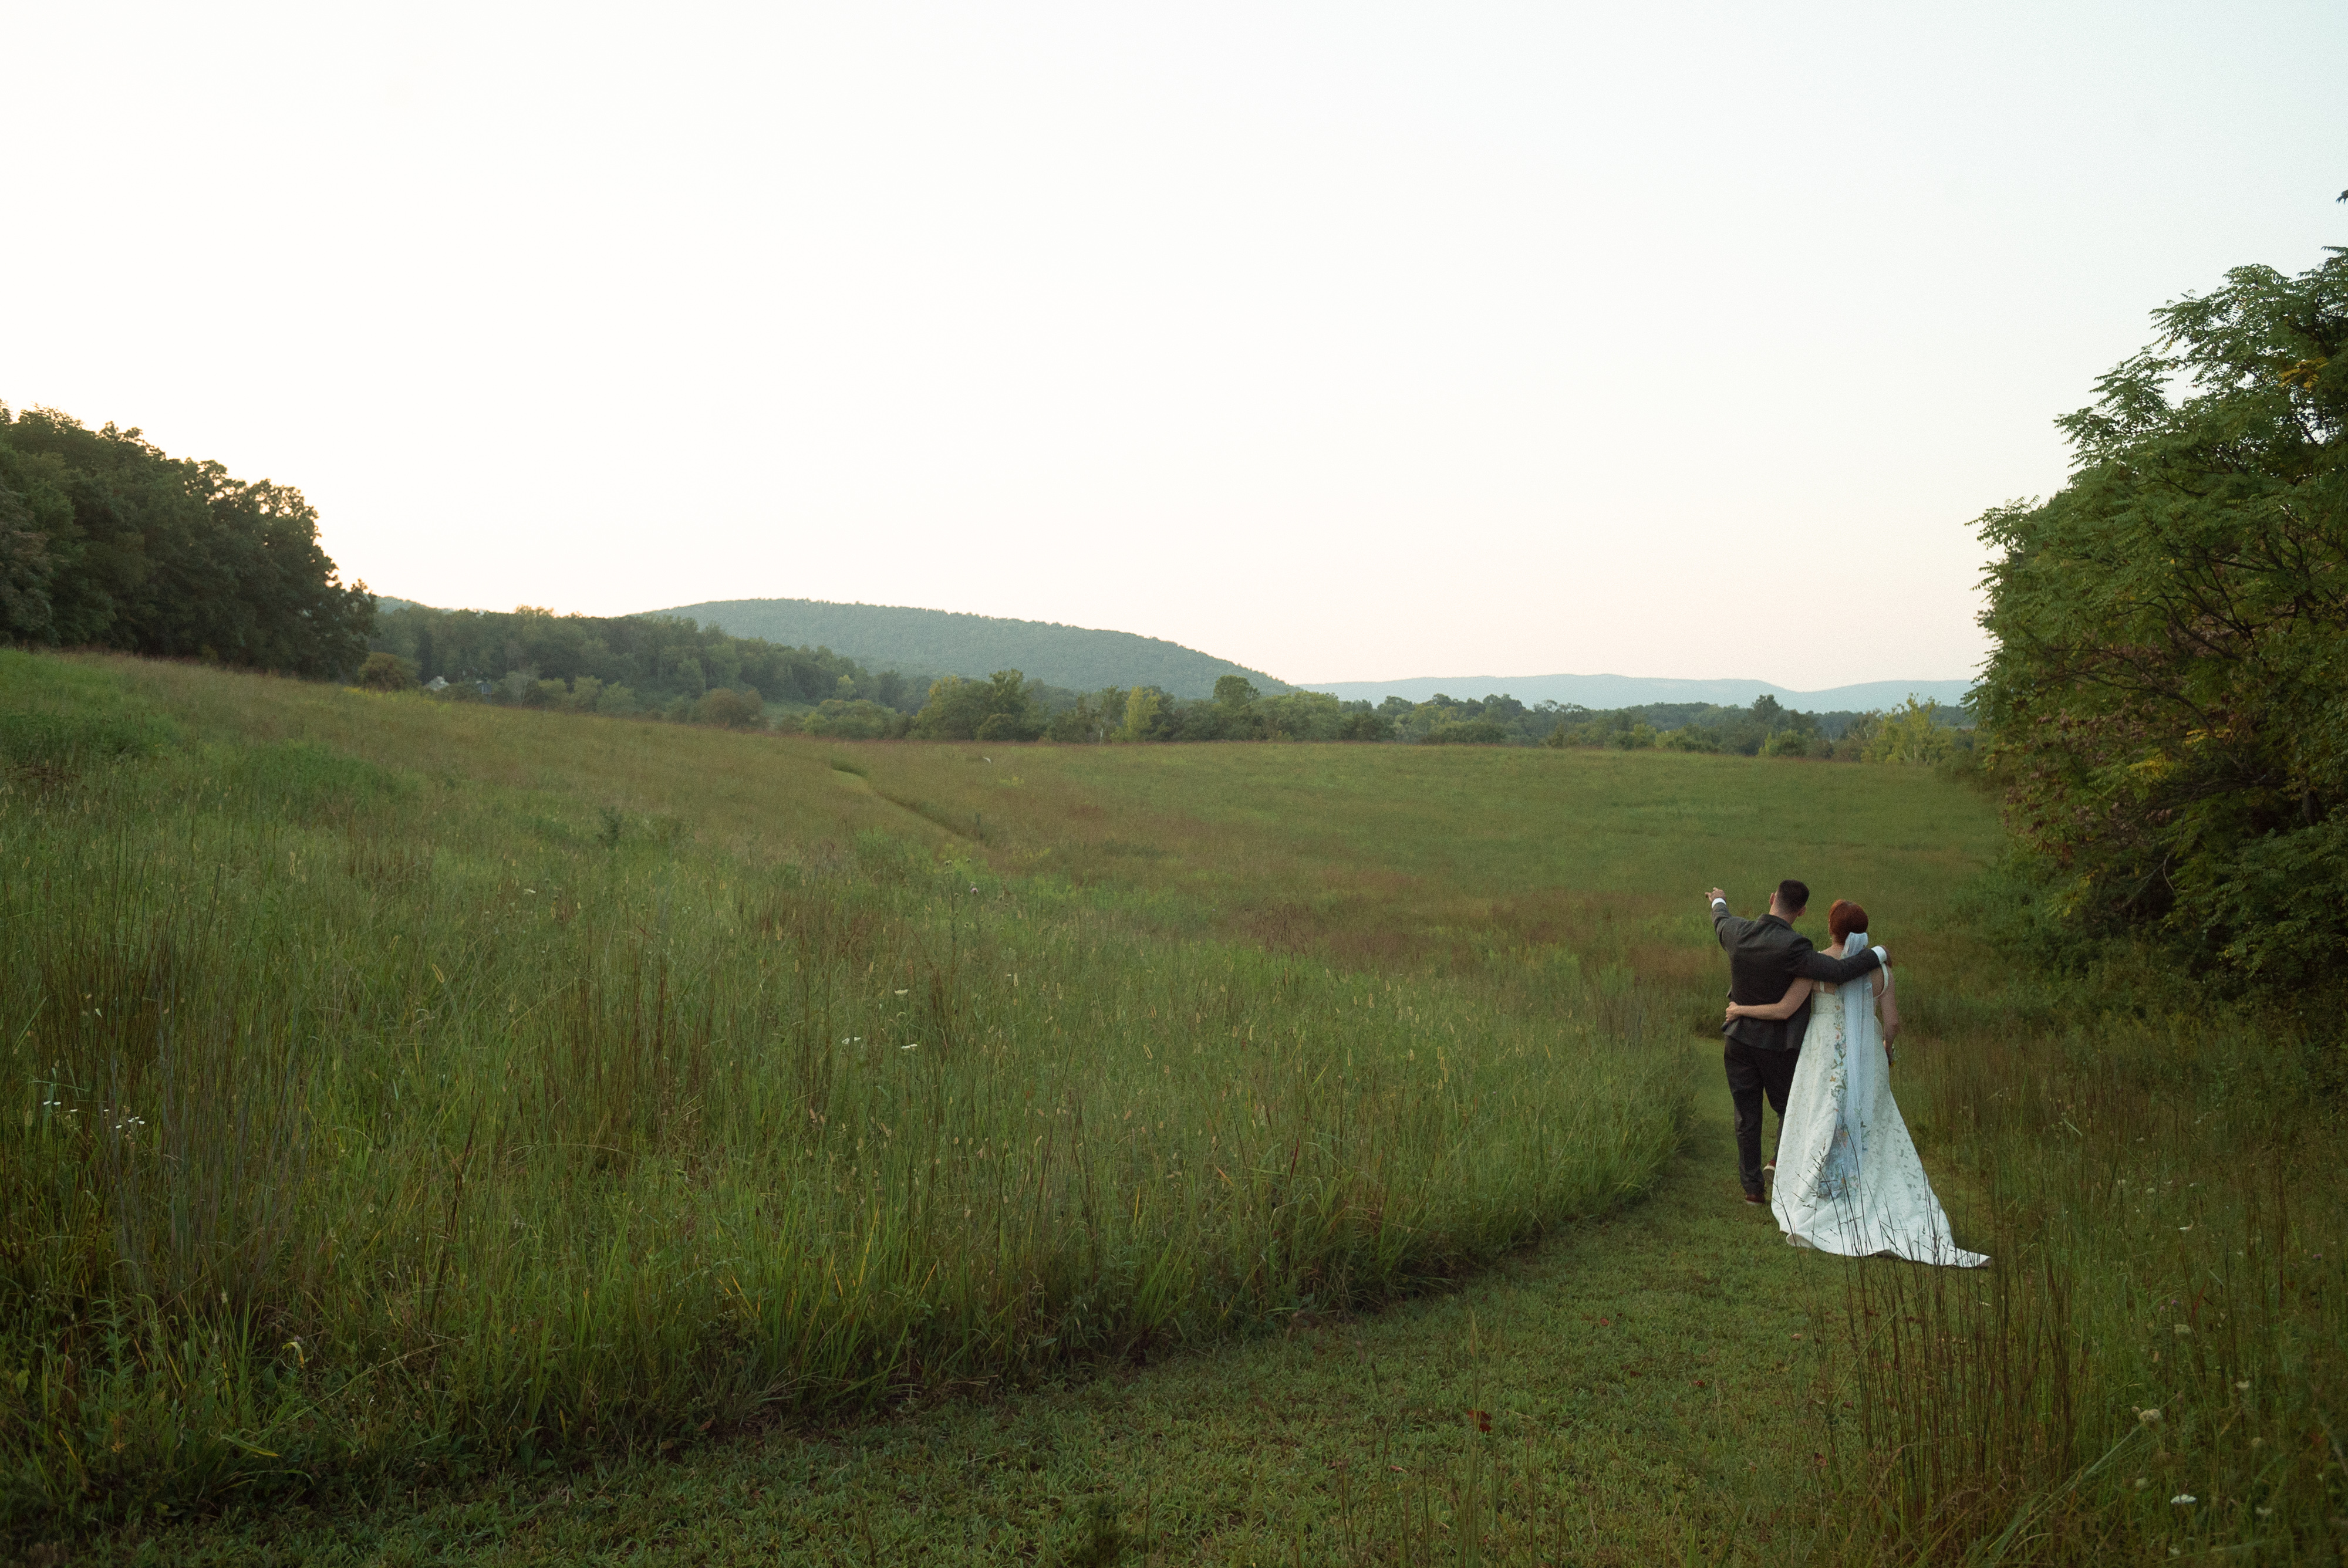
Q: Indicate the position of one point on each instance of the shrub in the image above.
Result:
(1006, 727)
(734, 710)
(1914, 734)
(386, 672)
(958, 710)
(852, 721)
(1473, 733)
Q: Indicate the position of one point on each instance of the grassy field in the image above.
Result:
(437, 1119)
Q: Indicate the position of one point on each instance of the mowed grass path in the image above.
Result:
(1649, 1380)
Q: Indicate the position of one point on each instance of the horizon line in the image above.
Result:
(1683, 680)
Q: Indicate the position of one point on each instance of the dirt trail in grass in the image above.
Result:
(1646, 1378)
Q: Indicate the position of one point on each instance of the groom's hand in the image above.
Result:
(1716, 896)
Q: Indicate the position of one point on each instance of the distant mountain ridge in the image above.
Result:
(1635, 691)
(949, 642)
(930, 642)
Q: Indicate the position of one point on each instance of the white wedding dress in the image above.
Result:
(1848, 1180)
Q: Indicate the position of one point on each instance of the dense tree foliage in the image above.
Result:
(107, 542)
(626, 664)
(1007, 707)
(2172, 639)
(1237, 711)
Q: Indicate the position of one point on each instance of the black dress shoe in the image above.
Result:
(1754, 1198)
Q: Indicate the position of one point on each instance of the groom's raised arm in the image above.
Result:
(1723, 922)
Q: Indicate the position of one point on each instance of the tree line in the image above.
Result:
(634, 666)
(1007, 707)
(106, 541)
(1920, 731)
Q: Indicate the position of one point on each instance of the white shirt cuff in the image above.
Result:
(1720, 903)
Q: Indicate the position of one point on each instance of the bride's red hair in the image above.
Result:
(1845, 917)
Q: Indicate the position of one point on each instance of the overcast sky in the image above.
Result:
(1346, 341)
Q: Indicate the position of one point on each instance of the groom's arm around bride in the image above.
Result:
(1767, 955)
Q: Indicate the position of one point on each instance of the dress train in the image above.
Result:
(1849, 1178)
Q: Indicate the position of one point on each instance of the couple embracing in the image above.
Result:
(1803, 1030)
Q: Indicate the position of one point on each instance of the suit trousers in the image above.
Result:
(1753, 1072)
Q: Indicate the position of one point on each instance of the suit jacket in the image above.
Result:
(1764, 957)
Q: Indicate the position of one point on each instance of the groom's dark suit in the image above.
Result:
(1765, 956)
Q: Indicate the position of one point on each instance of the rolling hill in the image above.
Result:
(946, 642)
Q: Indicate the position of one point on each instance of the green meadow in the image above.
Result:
(451, 1133)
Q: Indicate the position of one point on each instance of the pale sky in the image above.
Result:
(1349, 341)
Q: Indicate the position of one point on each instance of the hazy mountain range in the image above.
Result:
(930, 642)
(1636, 690)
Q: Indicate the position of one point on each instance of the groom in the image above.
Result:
(1764, 958)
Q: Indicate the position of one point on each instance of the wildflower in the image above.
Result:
(2266, 1513)
(2181, 1498)
(2142, 1481)
(2244, 1385)
(2150, 1418)
(2182, 1330)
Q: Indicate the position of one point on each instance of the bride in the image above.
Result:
(1848, 1180)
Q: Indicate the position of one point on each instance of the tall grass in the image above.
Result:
(373, 1119)
(2155, 1365)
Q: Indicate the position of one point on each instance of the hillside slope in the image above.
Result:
(947, 642)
